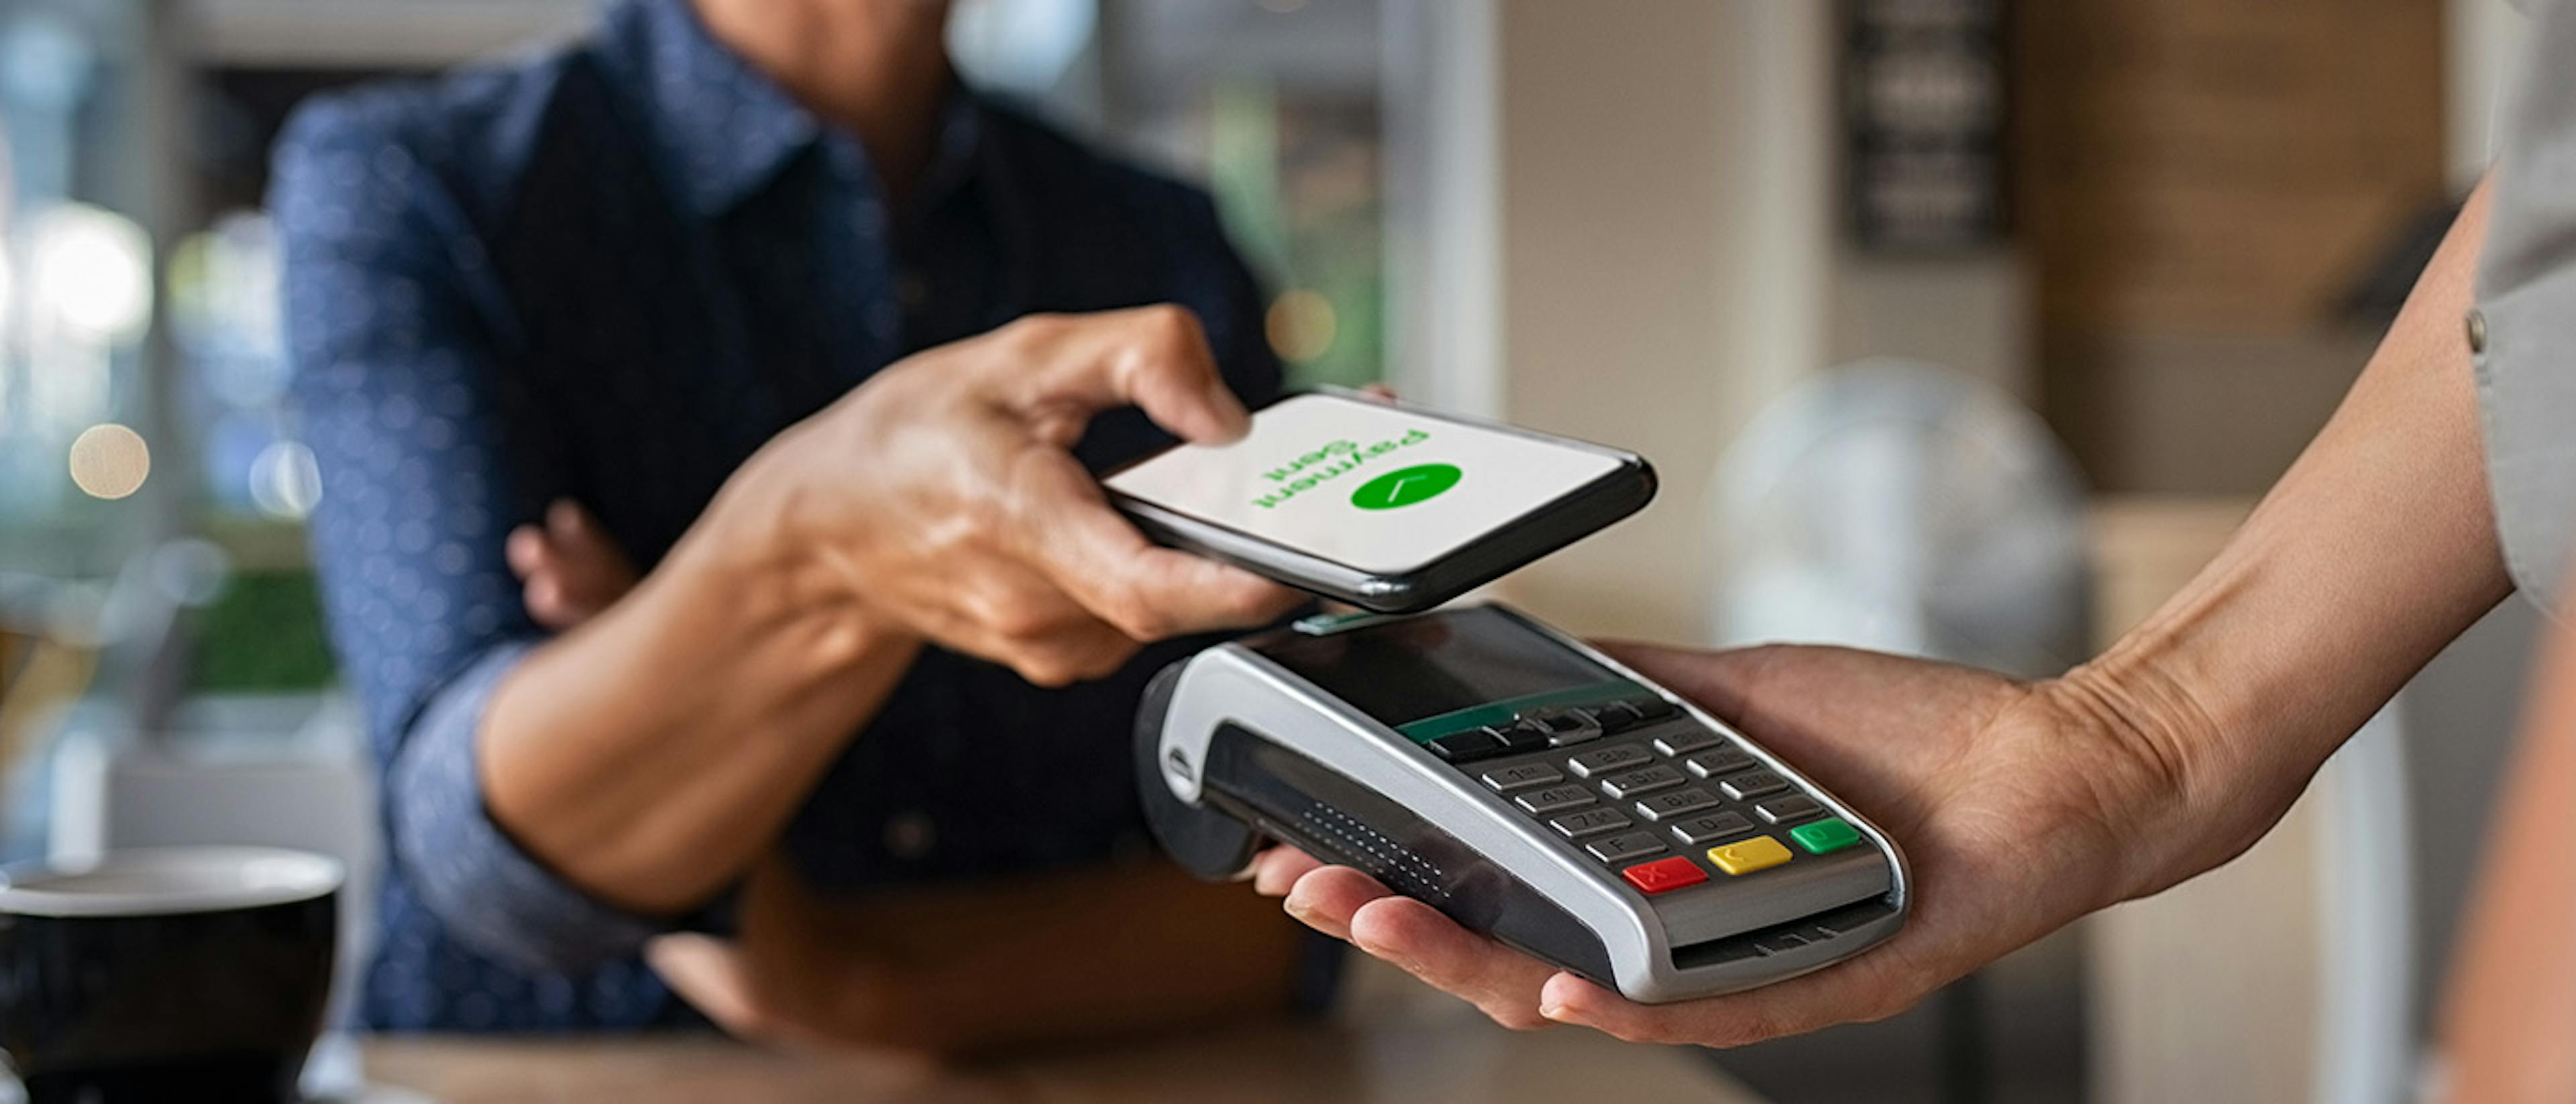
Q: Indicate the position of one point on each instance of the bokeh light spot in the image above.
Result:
(284, 480)
(110, 461)
(1301, 325)
(91, 268)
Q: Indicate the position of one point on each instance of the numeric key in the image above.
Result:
(1555, 799)
(1753, 784)
(1725, 760)
(1590, 822)
(1522, 777)
(1711, 828)
(1627, 784)
(1673, 803)
(1592, 764)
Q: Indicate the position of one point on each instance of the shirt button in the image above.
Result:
(2477, 326)
(910, 835)
(913, 290)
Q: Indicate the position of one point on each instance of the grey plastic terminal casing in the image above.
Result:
(1233, 688)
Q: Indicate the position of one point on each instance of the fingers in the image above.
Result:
(1155, 358)
(525, 549)
(1864, 722)
(569, 567)
(1871, 987)
(999, 608)
(709, 974)
(1102, 562)
(1339, 901)
(1326, 898)
(1275, 870)
(1721, 682)
(595, 569)
(1521, 992)
(1500, 982)
(1568, 999)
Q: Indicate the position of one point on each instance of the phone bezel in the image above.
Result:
(1544, 528)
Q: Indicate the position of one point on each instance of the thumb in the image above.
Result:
(1722, 682)
(1155, 358)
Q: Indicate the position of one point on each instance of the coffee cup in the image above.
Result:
(193, 973)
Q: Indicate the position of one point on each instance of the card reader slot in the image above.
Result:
(1783, 937)
(1295, 800)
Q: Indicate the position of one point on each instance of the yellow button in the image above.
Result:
(1758, 853)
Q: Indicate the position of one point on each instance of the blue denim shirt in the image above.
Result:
(609, 273)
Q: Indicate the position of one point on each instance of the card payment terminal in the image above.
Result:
(1523, 784)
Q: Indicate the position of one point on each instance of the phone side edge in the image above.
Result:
(1582, 512)
(1277, 562)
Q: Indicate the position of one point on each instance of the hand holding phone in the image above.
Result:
(1388, 507)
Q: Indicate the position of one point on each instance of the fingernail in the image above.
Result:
(1551, 1011)
(1401, 961)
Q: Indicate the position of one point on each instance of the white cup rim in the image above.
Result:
(193, 879)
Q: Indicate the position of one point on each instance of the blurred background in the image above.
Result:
(1965, 327)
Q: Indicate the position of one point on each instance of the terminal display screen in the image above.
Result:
(1404, 670)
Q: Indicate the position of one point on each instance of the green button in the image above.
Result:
(1405, 486)
(1824, 836)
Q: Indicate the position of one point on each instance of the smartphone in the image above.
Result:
(1388, 507)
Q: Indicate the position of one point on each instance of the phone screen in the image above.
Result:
(1374, 487)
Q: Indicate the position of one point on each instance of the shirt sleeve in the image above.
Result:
(428, 454)
(2523, 324)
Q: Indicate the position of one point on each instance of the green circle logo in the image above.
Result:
(1405, 486)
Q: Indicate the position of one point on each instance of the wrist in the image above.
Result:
(2179, 769)
(748, 557)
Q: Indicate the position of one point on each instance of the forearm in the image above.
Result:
(652, 753)
(2371, 553)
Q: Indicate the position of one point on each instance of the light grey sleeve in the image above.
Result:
(2523, 330)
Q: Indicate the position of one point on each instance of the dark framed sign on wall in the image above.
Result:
(1924, 118)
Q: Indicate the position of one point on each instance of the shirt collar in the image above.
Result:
(723, 129)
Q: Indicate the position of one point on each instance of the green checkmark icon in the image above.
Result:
(1405, 486)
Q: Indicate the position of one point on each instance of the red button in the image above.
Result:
(1663, 875)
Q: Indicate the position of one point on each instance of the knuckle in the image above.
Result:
(995, 516)
(1138, 617)
(1044, 671)
(1255, 602)
(1029, 327)
(1062, 659)
(1171, 321)
(1019, 620)
(1174, 331)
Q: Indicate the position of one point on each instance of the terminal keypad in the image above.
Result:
(1644, 789)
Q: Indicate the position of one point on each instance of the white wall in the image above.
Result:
(1664, 194)
(1617, 221)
